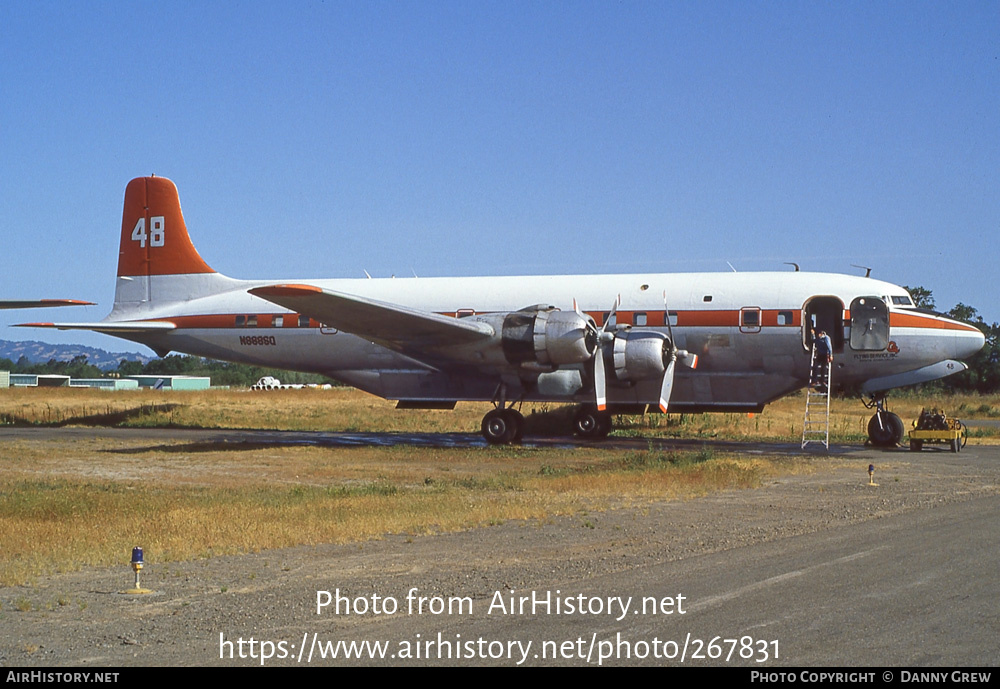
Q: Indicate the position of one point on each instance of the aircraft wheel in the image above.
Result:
(888, 433)
(592, 424)
(518, 421)
(502, 426)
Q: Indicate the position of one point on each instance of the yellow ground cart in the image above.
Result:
(935, 427)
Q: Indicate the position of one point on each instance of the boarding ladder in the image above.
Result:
(816, 425)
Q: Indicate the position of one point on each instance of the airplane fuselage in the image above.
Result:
(748, 329)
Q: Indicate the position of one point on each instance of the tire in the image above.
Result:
(517, 420)
(956, 445)
(916, 445)
(605, 425)
(498, 427)
(887, 434)
(591, 424)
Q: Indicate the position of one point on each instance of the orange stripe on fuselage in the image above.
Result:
(912, 320)
(689, 319)
(695, 319)
(723, 318)
(226, 321)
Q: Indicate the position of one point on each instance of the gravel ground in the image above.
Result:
(82, 619)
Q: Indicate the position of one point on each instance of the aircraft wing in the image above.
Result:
(392, 325)
(110, 327)
(43, 303)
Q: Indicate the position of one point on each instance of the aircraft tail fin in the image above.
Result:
(157, 261)
(154, 238)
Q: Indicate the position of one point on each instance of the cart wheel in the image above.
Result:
(956, 445)
(916, 445)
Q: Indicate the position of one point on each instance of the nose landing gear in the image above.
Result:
(885, 429)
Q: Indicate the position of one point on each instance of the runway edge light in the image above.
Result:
(137, 564)
(871, 475)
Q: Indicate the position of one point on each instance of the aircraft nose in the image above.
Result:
(968, 342)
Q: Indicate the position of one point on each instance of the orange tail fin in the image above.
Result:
(154, 239)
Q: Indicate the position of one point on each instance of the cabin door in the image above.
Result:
(869, 324)
(823, 313)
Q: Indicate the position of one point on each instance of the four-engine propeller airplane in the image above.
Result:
(689, 342)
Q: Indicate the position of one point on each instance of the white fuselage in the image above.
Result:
(749, 330)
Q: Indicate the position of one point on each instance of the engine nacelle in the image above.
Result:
(640, 354)
(542, 335)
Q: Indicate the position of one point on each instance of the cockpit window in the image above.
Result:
(902, 301)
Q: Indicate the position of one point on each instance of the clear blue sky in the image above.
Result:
(321, 139)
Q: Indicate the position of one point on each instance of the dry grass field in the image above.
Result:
(348, 410)
(67, 503)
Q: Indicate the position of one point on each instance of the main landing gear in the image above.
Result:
(885, 429)
(505, 425)
(590, 423)
(502, 426)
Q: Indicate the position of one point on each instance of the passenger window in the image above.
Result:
(785, 318)
(278, 321)
(303, 321)
(750, 319)
(639, 319)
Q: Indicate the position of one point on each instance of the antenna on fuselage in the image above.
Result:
(789, 263)
(868, 271)
(731, 266)
(366, 274)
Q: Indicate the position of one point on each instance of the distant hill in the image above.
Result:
(41, 352)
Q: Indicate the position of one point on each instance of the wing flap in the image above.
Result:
(397, 326)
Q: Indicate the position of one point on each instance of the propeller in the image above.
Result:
(689, 359)
(601, 336)
(671, 355)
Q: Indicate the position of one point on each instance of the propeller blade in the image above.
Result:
(666, 319)
(667, 386)
(612, 313)
(600, 377)
(600, 382)
(687, 358)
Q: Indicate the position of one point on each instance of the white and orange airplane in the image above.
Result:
(742, 339)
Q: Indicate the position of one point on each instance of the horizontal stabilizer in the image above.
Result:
(397, 326)
(43, 303)
(111, 327)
